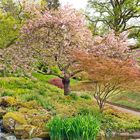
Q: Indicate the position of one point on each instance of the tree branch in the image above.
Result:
(131, 28)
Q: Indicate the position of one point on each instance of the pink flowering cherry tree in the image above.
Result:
(50, 37)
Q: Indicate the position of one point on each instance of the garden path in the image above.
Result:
(125, 110)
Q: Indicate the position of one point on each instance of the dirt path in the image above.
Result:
(125, 110)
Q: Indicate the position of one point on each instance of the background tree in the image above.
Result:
(13, 8)
(49, 38)
(114, 14)
(135, 34)
(12, 16)
(9, 30)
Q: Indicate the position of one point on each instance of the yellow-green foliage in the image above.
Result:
(18, 117)
(9, 30)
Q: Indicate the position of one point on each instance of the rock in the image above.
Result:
(12, 119)
(7, 137)
(26, 125)
(1, 126)
(42, 134)
(29, 131)
(25, 131)
(27, 121)
(40, 120)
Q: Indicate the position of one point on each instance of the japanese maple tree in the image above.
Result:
(111, 68)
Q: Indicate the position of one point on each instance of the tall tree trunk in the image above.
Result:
(66, 83)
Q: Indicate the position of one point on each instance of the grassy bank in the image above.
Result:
(49, 96)
(128, 99)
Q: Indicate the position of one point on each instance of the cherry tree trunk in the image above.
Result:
(66, 83)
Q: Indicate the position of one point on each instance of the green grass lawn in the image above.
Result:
(46, 78)
(129, 99)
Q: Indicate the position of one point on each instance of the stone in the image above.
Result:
(25, 131)
(30, 131)
(7, 137)
(20, 125)
(40, 120)
(27, 121)
(11, 119)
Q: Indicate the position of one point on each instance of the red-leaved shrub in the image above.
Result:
(57, 82)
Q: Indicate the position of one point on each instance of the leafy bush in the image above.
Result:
(42, 92)
(74, 96)
(85, 96)
(6, 93)
(75, 128)
(89, 111)
(57, 82)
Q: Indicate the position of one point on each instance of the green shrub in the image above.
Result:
(85, 96)
(75, 128)
(42, 92)
(74, 96)
(89, 111)
(6, 93)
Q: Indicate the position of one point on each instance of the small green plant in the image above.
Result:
(44, 103)
(89, 111)
(74, 96)
(75, 128)
(42, 92)
(29, 97)
(6, 93)
(85, 96)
